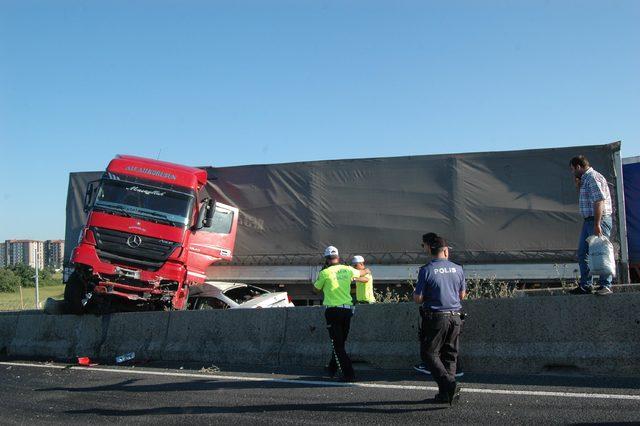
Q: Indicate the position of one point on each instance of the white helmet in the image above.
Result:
(331, 251)
(357, 259)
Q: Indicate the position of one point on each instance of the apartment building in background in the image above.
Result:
(3, 255)
(24, 251)
(53, 254)
(50, 253)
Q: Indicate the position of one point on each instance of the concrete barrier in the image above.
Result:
(588, 334)
(561, 333)
(8, 325)
(53, 337)
(141, 332)
(226, 337)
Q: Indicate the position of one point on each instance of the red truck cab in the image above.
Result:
(151, 232)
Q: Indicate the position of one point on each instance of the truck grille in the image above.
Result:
(150, 254)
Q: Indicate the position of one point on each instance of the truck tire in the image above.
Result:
(74, 292)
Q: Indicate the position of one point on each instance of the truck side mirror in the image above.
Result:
(210, 210)
(88, 195)
(205, 215)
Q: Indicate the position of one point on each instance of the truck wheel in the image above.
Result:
(74, 292)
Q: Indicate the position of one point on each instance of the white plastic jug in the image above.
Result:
(601, 258)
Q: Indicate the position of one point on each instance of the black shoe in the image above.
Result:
(454, 394)
(422, 368)
(331, 372)
(581, 290)
(441, 398)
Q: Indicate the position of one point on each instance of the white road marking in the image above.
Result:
(324, 383)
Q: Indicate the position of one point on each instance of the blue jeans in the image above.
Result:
(583, 250)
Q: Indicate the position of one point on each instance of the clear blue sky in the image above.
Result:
(239, 82)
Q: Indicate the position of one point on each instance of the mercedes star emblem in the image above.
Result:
(134, 241)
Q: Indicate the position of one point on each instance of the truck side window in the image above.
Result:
(221, 222)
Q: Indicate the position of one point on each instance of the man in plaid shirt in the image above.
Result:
(596, 209)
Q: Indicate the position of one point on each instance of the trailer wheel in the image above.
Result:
(74, 292)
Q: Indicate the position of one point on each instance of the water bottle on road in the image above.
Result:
(126, 357)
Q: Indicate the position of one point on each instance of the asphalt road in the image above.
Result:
(40, 393)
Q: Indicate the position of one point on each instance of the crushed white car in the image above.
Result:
(225, 295)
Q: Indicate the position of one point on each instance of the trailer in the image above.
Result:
(631, 171)
(508, 215)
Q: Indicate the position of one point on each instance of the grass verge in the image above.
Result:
(11, 301)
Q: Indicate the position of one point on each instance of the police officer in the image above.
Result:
(364, 285)
(427, 239)
(334, 281)
(441, 286)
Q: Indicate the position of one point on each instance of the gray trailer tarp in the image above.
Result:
(495, 207)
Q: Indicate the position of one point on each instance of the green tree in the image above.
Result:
(25, 272)
(9, 282)
(44, 274)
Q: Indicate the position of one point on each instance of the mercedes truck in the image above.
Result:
(151, 231)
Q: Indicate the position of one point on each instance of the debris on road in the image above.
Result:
(212, 369)
(126, 357)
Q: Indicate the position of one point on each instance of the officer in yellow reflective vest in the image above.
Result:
(364, 285)
(334, 281)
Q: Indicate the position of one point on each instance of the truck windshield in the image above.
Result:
(148, 202)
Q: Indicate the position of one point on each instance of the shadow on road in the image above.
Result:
(207, 385)
(376, 407)
(183, 386)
